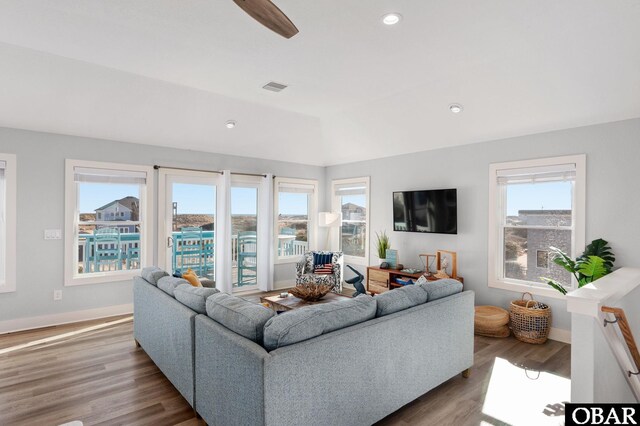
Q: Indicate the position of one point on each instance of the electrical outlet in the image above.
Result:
(57, 294)
(52, 234)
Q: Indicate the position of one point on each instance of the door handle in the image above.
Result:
(169, 242)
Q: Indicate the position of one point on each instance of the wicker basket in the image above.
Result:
(502, 331)
(530, 320)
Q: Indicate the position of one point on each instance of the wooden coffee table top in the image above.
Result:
(289, 303)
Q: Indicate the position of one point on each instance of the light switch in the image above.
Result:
(52, 234)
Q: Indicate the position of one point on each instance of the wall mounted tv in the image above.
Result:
(429, 211)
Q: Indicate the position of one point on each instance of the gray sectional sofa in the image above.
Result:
(351, 362)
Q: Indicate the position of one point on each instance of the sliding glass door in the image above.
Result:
(209, 223)
(244, 233)
(188, 222)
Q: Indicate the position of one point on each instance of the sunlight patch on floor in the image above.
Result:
(63, 336)
(521, 396)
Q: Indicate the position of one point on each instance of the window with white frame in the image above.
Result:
(107, 221)
(7, 223)
(535, 205)
(351, 198)
(296, 209)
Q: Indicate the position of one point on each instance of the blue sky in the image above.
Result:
(547, 196)
(95, 195)
(358, 200)
(191, 199)
(200, 199)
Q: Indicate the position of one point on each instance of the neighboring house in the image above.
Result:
(536, 243)
(352, 211)
(125, 209)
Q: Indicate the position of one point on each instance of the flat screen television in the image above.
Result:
(428, 211)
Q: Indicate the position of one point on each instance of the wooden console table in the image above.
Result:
(381, 280)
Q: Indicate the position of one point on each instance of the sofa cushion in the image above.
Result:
(400, 299)
(206, 282)
(168, 284)
(194, 297)
(441, 288)
(152, 274)
(312, 321)
(242, 317)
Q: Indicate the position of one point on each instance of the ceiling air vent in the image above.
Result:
(274, 87)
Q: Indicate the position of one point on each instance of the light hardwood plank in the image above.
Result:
(98, 376)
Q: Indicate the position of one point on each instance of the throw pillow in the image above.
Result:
(421, 280)
(326, 269)
(321, 258)
(192, 278)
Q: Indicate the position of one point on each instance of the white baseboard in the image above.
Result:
(30, 323)
(560, 335)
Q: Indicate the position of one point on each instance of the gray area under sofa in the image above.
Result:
(353, 376)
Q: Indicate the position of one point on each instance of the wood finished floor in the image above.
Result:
(93, 372)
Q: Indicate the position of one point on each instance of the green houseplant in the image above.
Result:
(596, 262)
(382, 244)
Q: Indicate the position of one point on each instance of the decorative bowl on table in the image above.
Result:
(310, 292)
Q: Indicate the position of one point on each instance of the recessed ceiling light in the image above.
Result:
(230, 124)
(391, 18)
(455, 108)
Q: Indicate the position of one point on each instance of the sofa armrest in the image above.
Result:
(337, 271)
(230, 375)
(300, 266)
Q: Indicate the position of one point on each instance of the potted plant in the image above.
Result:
(596, 262)
(382, 244)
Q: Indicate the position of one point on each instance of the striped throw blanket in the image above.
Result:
(325, 269)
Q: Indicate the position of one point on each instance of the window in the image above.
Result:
(295, 206)
(7, 223)
(535, 205)
(107, 234)
(351, 198)
(542, 259)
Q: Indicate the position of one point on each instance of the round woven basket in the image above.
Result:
(502, 331)
(490, 317)
(530, 320)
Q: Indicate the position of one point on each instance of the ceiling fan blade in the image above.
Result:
(269, 15)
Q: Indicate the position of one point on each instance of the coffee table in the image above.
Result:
(290, 303)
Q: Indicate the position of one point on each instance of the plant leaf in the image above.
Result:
(593, 268)
(553, 283)
(562, 259)
(601, 249)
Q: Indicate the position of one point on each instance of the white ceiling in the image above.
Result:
(171, 72)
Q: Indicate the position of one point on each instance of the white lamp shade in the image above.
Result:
(329, 219)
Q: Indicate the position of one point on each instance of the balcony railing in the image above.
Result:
(187, 252)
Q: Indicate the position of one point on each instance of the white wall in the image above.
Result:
(613, 204)
(600, 359)
(40, 159)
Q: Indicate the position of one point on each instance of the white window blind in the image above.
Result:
(351, 189)
(554, 173)
(297, 188)
(94, 175)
